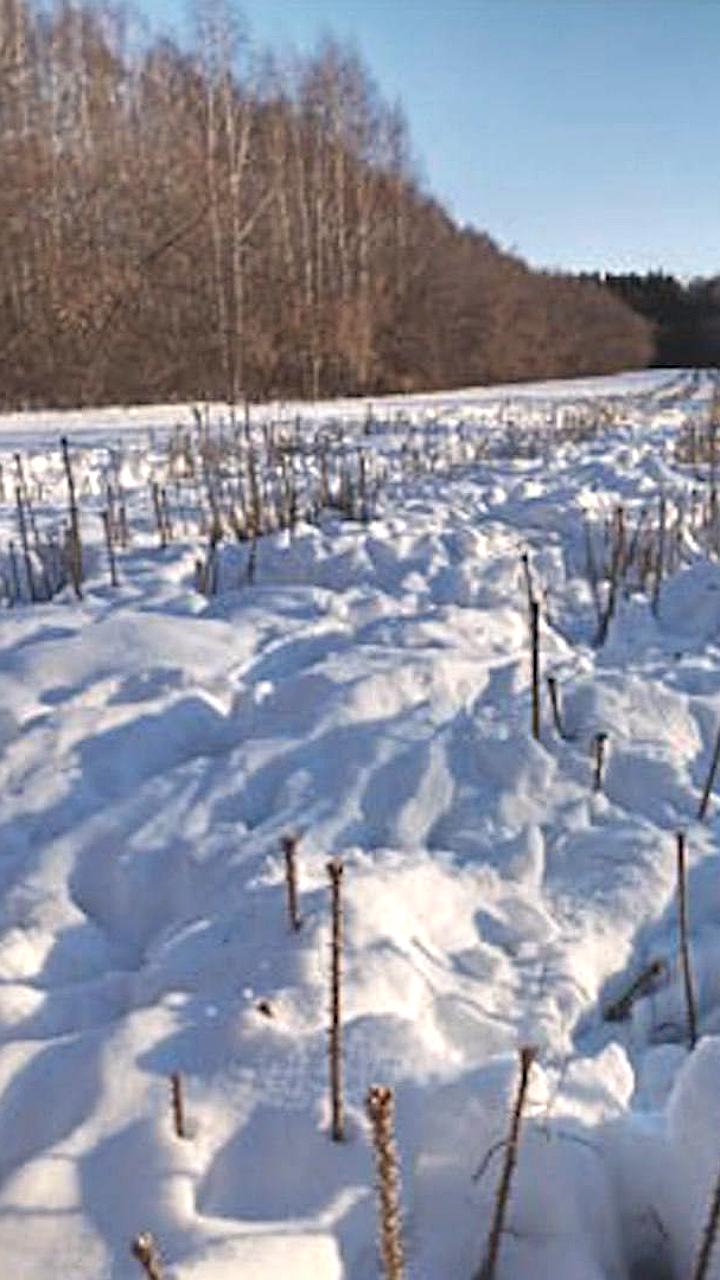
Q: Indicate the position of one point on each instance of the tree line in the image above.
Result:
(685, 315)
(210, 222)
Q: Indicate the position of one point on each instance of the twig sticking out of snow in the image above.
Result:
(165, 513)
(252, 560)
(684, 944)
(660, 561)
(525, 559)
(74, 547)
(335, 871)
(159, 517)
(22, 526)
(289, 847)
(178, 1104)
(123, 526)
(108, 530)
(639, 987)
(15, 576)
(145, 1250)
(25, 496)
(599, 742)
(617, 560)
(710, 779)
(502, 1196)
(380, 1107)
(702, 1262)
(534, 620)
(535, 645)
(555, 706)
(592, 572)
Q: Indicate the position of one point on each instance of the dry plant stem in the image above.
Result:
(528, 579)
(502, 1195)
(159, 522)
(634, 546)
(617, 532)
(111, 509)
(710, 779)
(335, 871)
(178, 1104)
(684, 943)
(640, 986)
(535, 644)
(145, 1250)
(45, 552)
(660, 565)
(289, 847)
(165, 515)
(14, 571)
(26, 497)
(252, 561)
(592, 572)
(75, 556)
(110, 548)
(380, 1106)
(555, 706)
(712, 447)
(24, 544)
(124, 528)
(599, 745)
(620, 542)
(701, 1270)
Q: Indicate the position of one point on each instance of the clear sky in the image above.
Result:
(579, 133)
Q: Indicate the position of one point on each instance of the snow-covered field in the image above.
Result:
(363, 684)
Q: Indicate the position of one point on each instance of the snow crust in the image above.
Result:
(370, 692)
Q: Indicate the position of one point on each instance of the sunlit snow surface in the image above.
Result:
(370, 692)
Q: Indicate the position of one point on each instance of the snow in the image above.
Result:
(369, 692)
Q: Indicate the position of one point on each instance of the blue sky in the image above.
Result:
(580, 133)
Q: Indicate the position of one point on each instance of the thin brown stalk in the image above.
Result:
(640, 986)
(22, 482)
(535, 647)
(525, 561)
(660, 560)
(599, 742)
(177, 1095)
(289, 847)
(74, 545)
(502, 1195)
(710, 779)
(157, 508)
(107, 526)
(335, 871)
(701, 1270)
(123, 526)
(165, 515)
(14, 573)
(30, 577)
(616, 531)
(592, 572)
(380, 1107)
(691, 1012)
(555, 706)
(145, 1250)
(252, 560)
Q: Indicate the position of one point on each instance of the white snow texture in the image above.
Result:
(369, 692)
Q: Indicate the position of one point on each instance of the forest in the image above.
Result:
(685, 315)
(214, 222)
